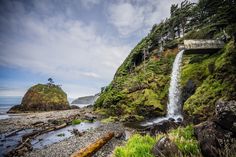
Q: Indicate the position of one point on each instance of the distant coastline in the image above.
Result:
(6, 102)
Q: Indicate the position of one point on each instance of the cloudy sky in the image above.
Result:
(79, 43)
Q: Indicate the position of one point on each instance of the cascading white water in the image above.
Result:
(174, 104)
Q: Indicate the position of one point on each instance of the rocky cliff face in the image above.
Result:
(85, 99)
(42, 97)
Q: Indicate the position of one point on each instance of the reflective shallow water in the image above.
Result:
(61, 134)
(8, 143)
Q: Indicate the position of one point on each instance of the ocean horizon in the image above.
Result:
(6, 102)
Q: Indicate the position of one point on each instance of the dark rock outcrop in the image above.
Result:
(188, 90)
(74, 107)
(217, 137)
(165, 147)
(214, 140)
(42, 97)
(163, 127)
(226, 114)
(90, 117)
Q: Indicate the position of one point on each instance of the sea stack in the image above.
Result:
(42, 97)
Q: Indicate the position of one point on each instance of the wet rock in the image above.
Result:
(171, 119)
(77, 132)
(165, 147)
(21, 150)
(163, 127)
(74, 107)
(188, 90)
(15, 109)
(226, 114)
(55, 122)
(89, 117)
(179, 119)
(198, 118)
(213, 139)
(38, 123)
(150, 111)
(120, 135)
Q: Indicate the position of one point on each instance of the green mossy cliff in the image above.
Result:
(43, 97)
(211, 77)
(140, 86)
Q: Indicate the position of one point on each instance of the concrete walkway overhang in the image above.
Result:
(201, 46)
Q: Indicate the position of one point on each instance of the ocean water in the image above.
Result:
(6, 102)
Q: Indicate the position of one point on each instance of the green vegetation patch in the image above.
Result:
(137, 146)
(185, 140)
(76, 121)
(141, 146)
(109, 119)
(61, 135)
(142, 93)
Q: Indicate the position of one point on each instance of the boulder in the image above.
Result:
(166, 148)
(89, 117)
(213, 140)
(163, 127)
(120, 135)
(226, 114)
(42, 97)
(74, 107)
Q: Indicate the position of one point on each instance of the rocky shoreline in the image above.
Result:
(26, 120)
(42, 120)
(72, 144)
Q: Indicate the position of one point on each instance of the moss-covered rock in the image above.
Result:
(140, 92)
(43, 97)
(214, 77)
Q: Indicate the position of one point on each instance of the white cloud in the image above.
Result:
(133, 16)
(89, 3)
(50, 40)
(126, 17)
(62, 48)
(91, 74)
(74, 49)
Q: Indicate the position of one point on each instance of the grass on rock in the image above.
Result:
(76, 121)
(141, 146)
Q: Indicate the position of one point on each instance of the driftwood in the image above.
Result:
(25, 144)
(94, 147)
(14, 132)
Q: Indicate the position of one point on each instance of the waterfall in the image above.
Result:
(174, 104)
